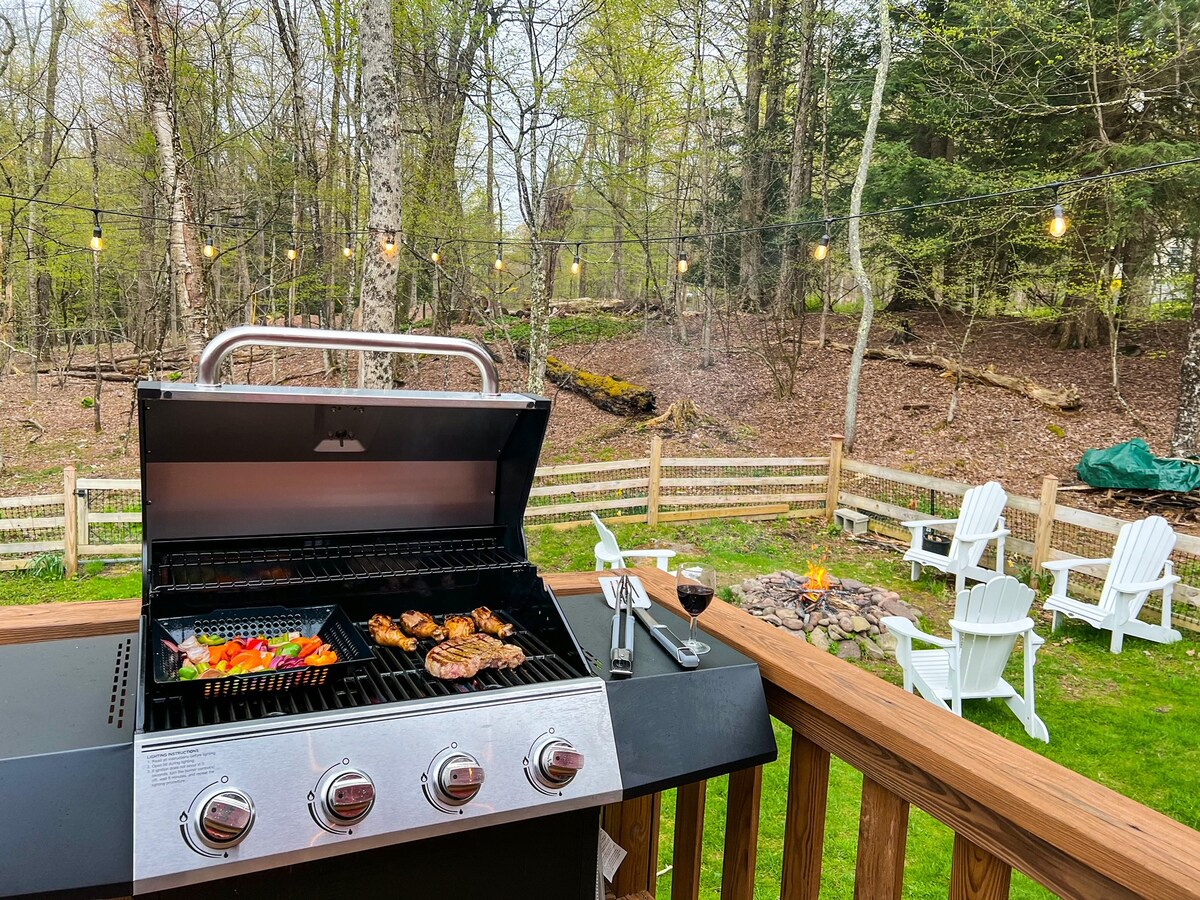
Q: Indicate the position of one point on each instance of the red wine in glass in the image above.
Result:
(695, 587)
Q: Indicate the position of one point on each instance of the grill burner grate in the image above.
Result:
(212, 570)
(394, 676)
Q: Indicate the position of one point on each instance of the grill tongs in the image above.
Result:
(621, 658)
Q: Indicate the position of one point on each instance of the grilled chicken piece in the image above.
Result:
(491, 623)
(464, 657)
(421, 625)
(386, 633)
(459, 626)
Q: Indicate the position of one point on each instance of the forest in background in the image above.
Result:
(301, 161)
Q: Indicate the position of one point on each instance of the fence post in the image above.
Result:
(1045, 527)
(70, 523)
(655, 474)
(835, 475)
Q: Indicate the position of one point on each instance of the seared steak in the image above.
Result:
(464, 657)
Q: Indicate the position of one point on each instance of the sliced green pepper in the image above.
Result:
(288, 650)
(187, 673)
(210, 640)
(202, 667)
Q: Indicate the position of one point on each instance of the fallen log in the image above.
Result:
(610, 394)
(1061, 398)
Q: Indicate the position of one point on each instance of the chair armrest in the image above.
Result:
(1137, 588)
(996, 629)
(657, 554)
(901, 626)
(923, 523)
(1063, 565)
(990, 536)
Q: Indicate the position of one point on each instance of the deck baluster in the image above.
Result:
(741, 834)
(976, 874)
(882, 837)
(689, 841)
(804, 827)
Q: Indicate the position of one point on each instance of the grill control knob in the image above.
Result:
(348, 797)
(225, 818)
(459, 779)
(553, 764)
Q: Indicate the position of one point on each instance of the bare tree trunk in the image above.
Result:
(826, 264)
(1186, 439)
(380, 268)
(856, 262)
(184, 244)
(800, 174)
(94, 152)
(750, 278)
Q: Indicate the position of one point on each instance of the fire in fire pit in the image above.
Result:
(840, 613)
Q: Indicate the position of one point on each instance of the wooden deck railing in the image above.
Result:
(1008, 807)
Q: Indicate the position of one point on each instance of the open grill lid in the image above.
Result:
(228, 462)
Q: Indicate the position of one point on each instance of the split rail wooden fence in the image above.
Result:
(101, 517)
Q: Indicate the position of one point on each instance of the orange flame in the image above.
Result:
(818, 578)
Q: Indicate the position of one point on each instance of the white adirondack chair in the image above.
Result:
(609, 553)
(1139, 566)
(979, 521)
(988, 618)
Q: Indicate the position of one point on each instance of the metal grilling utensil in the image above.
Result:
(621, 660)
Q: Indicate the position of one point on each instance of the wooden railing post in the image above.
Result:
(836, 442)
(882, 838)
(1047, 504)
(804, 827)
(976, 874)
(70, 523)
(655, 476)
(689, 841)
(633, 824)
(741, 834)
(82, 538)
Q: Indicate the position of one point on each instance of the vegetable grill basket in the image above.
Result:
(329, 623)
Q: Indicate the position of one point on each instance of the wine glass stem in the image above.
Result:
(692, 636)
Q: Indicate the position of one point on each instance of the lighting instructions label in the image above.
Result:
(181, 766)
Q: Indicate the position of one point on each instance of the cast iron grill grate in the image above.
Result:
(393, 676)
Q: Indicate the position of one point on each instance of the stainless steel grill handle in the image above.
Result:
(227, 341)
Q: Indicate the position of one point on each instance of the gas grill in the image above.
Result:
(298, 508)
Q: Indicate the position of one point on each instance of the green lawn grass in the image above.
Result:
(1128, 721)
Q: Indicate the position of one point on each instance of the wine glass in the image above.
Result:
(695, 586)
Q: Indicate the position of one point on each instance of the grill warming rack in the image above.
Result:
(223, 569)
(393, 676)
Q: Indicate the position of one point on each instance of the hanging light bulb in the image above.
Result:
(1059, 223)
(436, 256)
(821, 248)
(575, 263)
(292, 252)
(498, 265)
(208, 249)
(389, 243)
(348, 247)
(681, 265)
(97, 242)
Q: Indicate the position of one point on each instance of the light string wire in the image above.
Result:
(208, 227)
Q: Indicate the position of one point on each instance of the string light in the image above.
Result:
(1059, 223)
(575, 264)
(292, 253)
(821, 249)
(681, 265)
(436, 256)
(389, 243)
(97, 235)
(348, 247)
(208, 249)
(498, 265)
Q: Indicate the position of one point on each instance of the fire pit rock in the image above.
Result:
(843, 617)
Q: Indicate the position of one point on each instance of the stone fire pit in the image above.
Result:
(845, 616)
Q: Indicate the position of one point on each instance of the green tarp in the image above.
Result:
(1132, 465)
